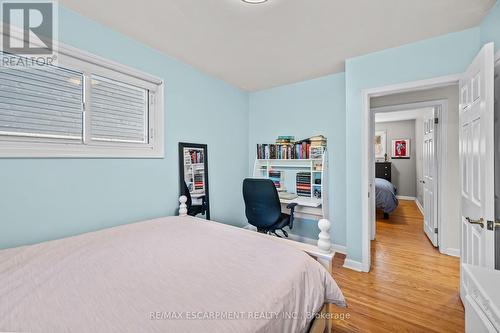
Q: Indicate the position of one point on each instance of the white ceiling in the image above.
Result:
(385, 117)
(281, 41)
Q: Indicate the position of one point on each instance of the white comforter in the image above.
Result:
(174, 274)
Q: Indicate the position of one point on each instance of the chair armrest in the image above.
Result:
(291, 206)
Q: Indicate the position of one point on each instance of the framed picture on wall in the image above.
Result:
(380, 145)
(401, 148)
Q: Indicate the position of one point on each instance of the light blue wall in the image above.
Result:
(43, 199)
(490, 27)
(305, 109)
(430, 58)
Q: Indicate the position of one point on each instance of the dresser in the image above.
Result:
(481, 298)
(383, 170)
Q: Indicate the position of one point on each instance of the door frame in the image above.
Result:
(441, 157)
(367, 140)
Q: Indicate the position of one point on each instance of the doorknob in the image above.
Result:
(479, 222)
(493, 225)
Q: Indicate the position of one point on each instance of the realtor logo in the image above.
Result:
(29, 29)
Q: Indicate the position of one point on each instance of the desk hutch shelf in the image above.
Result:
(304, 177)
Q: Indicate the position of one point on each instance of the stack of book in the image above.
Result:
(276, 177)
(198, 181)
(285, 139)
(318, 140)
(304, 184)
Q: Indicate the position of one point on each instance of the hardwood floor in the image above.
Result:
(411, 286)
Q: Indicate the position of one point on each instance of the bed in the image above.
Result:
(173, 274)
(385, 196)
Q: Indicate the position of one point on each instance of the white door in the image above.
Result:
(430, 182)
(477, 161)
(373, 212)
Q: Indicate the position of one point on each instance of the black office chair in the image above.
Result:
(263, 208)
(193, 210)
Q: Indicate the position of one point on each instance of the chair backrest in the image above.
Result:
(262, 203)
(185, 191)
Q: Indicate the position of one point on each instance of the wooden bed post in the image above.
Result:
(183, 207)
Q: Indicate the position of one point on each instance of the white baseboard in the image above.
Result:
(354, 265)
(302, 239)
(250, 227)
(404, 197)
(451, 252)
(420, 207)
(339, 248)
(335, 247)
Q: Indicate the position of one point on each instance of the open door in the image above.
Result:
(373, 212)
(476, 123)
(430, 182)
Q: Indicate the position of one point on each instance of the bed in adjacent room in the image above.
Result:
(385, 196)
(173, 274)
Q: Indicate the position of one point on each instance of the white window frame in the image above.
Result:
(90, 64)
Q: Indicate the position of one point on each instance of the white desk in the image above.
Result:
(308, 208)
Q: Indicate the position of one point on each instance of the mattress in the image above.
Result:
(173, 274)
(385, 196)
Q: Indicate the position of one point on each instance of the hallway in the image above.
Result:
(411, 286)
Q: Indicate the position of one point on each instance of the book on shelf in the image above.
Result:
(193, 156)
(285, 139)
(199, 182)
(318, 140)
(277, 178)
(286, 148)
(271, 151)
(303, 184)
(316, 152)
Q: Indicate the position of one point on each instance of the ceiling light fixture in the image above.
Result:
(254, 2)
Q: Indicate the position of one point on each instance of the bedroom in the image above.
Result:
(426, 122)
(230, 87)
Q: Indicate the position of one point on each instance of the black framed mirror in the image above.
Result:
(193, 178)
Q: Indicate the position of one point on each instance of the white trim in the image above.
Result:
(404, 197)
(84, 62)
(451, 252)
(354, 265)
(366, 166)
(420, 207)
(497, 56)
(339, 248)
(335, 247)
(406, 107)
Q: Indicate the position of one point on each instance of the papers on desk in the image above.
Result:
(303, 201)
(287, 195)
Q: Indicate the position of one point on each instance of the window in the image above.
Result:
(85, 106)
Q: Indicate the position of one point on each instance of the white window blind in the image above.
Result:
(41, 102)
(119, 111)
(84, 106)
